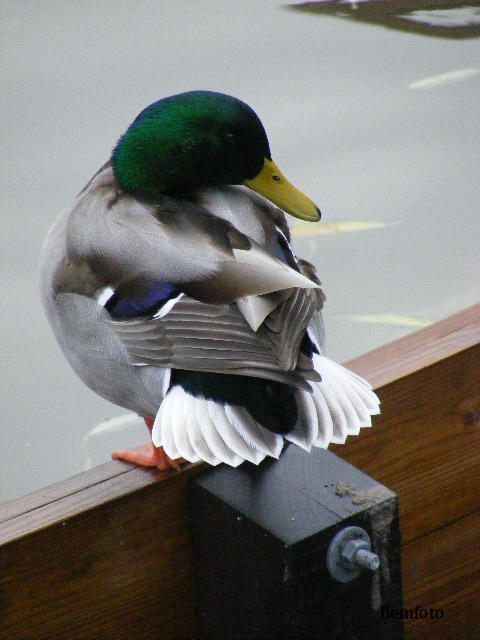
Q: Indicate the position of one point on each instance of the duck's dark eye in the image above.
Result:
(276, 178)
(230, 137)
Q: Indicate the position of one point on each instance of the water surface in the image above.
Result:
(354, 119)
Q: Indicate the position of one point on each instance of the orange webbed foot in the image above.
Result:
(148, 455)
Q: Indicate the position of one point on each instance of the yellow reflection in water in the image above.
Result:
(342, 226)
(391, 319)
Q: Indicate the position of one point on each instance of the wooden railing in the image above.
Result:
(106, 554)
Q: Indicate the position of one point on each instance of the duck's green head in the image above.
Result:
(202, 139)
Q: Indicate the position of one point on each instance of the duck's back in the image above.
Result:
(69, 290)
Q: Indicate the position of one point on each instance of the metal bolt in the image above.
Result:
(356, 553)
(367, 559)
(349, 552)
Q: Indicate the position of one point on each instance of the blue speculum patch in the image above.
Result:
(123, 304)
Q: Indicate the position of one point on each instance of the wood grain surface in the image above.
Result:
(106, 554)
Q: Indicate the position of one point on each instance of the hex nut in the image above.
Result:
(349, 551)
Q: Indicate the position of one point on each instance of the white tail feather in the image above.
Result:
(182, 410)
(351, 418)
(348, 398)
(195, 434)
(160, 435)
(169, 419)
(214, 439)
(231, 436)
(267, 442)
(339, 422)
(325, 424)
(305, 432)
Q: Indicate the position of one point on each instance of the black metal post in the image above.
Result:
(263, 538)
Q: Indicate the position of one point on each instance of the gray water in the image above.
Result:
(379, 127)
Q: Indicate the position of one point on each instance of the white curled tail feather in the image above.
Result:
(198, 429)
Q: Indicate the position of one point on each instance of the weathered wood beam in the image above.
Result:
(426, 447)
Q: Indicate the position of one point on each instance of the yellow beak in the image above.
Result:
(272, 184)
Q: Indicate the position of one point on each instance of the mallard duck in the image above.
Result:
(173, 291)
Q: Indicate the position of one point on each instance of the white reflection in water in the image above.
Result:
(121, 432)
(451, 17)
(449, 77)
